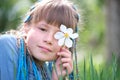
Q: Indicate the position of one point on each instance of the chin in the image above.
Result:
(45, 58)
(50, 59)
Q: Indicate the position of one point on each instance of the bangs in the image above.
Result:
(55, 14)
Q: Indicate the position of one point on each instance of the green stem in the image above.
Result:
(61, 67)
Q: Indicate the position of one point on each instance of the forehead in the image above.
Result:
(43, 23)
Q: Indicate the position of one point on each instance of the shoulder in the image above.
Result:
(8, 44)
(7, 37)
(7, 40)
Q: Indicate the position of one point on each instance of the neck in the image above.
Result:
(38, 62)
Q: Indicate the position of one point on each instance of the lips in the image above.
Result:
(45, 49)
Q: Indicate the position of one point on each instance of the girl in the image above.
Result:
(33, 51)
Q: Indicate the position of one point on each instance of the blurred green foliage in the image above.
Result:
(11, 13)
(92, 27)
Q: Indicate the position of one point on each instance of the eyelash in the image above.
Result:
(42, 29)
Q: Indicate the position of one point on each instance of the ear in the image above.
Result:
(26, 27)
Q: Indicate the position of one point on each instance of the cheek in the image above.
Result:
(31, 38)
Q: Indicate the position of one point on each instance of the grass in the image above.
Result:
(89, 71)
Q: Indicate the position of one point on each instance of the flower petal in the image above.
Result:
(73, 36)
(61, 41)
(68, 42)
(58, 35)
(69, 31)
(63, 28)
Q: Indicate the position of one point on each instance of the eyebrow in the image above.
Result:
(44, 24)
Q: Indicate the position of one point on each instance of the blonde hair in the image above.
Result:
(55, 12)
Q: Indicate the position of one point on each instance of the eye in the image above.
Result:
(43, 29)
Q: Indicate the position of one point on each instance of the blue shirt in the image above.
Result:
(8, 57)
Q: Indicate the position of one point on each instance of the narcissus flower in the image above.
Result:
(65, 36)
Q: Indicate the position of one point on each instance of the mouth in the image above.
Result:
(45, 49)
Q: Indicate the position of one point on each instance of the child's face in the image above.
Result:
(41, 42)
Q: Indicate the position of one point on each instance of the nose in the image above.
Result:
(49, 38)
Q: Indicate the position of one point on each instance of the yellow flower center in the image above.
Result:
(66, 35)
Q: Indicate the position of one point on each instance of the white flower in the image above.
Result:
(65, 35)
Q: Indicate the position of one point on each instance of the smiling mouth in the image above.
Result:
(44, 49)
